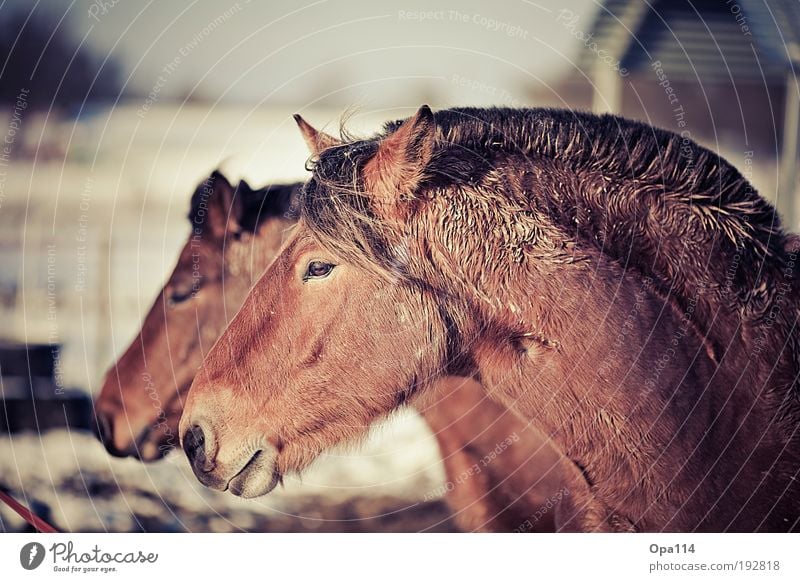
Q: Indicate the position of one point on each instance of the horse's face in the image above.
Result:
(319, 350)
(143, 394)
(141, 399)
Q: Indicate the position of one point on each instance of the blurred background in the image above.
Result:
(112, 111)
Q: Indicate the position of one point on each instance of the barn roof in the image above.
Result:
(740, 40)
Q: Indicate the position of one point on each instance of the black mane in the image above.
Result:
(257, 204)
(611, 145)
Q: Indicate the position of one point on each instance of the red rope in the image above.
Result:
(34, 520)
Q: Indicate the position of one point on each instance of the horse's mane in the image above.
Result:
(656, 202)
(257, 204)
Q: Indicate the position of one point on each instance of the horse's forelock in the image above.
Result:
(336, 209)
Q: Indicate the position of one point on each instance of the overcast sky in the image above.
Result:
(364, 53)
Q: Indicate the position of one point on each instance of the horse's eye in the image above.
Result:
(318, 270)
(180, 295)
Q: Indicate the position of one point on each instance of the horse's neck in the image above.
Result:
(601, 365)
(709, 251)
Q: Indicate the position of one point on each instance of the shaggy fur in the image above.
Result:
(630, 184)
(546, 234)
(648, 199)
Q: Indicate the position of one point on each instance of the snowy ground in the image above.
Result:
(379, 487)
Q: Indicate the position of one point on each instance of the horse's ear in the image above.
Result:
(398, 168)
(316, 141)
(225, 207)
(244, 187)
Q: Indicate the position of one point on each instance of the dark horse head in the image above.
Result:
(235, 233)
(616, 285)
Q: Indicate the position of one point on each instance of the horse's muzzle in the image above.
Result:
(249, 475)
(143, 447)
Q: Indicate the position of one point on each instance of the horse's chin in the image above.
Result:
(258, 477)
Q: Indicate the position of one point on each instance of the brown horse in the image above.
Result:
(621, 287)
(235, 235)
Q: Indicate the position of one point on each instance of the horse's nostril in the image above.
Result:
(104, 430)
(194, 443)
(102, 427)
